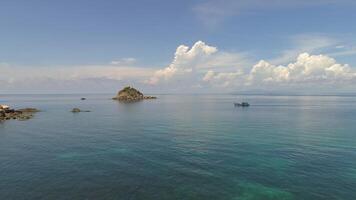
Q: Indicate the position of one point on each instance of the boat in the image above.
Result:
(242, 104)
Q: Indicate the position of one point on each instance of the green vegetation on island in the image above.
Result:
(130, 94)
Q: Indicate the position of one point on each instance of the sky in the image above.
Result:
(186, 46)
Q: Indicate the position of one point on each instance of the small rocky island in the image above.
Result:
(6, 113)
(130, 94)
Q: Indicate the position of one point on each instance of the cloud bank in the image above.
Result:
(200, 59)
(82, 78)
(307, 68)
(201, 67)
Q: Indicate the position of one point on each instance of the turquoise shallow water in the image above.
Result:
(180, 147)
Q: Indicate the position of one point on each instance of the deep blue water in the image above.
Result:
(180, 147)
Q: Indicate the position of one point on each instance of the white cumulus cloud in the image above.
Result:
(185, 59)
(317, 70)
(204, 65)
(307, 68)
(196, 60)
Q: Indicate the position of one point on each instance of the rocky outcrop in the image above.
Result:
(4, 107)
(130, 94)
(6, 113)
(76, 110)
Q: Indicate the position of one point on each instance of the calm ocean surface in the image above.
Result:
(180, 147)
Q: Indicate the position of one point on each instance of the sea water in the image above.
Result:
(180, 147)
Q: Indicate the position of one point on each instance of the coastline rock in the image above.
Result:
(130, 94)
(21, 114)
(4, 107)
(2, 114)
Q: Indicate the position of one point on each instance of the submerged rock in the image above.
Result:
(77, 110)
(149, 97)
(243, 104)
(130, 94)
(29, 110)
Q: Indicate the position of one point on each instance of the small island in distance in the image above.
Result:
(130, 94)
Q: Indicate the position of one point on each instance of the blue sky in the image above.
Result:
(40, 39)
